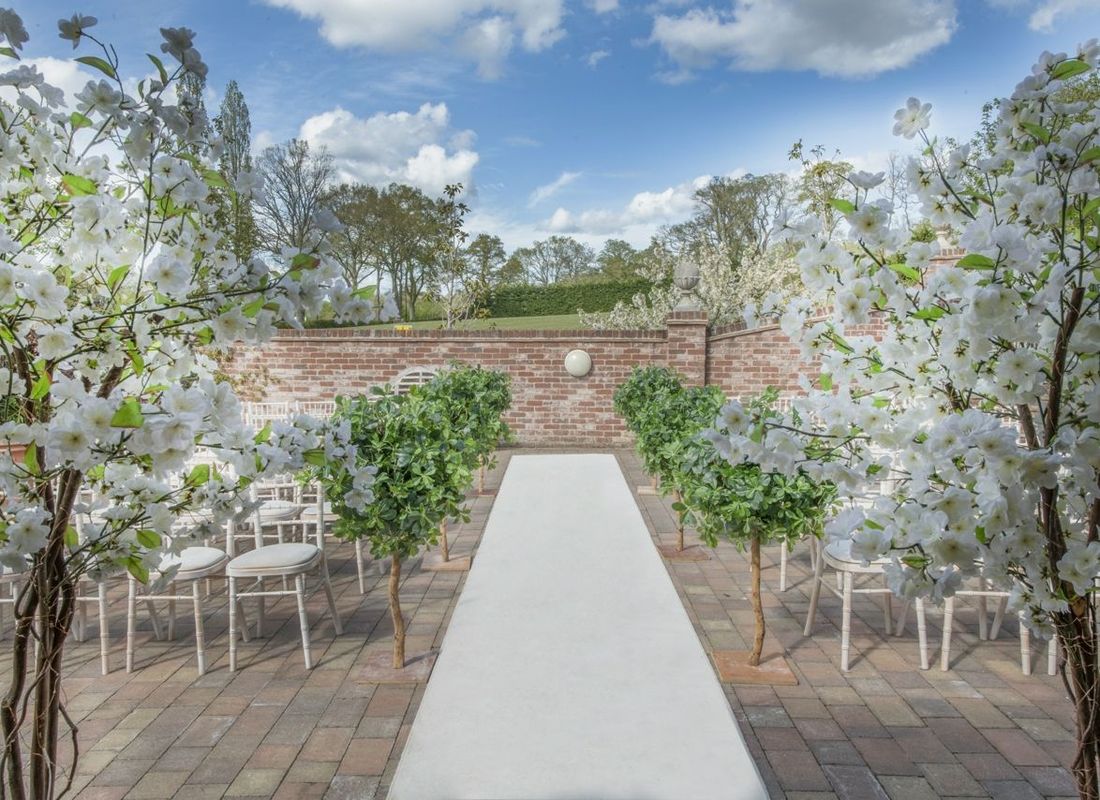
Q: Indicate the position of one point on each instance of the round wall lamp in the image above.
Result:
(578, 363)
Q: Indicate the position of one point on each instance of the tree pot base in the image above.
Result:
(648, 491)
(733, 667)
(485, 493)
(671, 552)
(433, 562)
(379, 668)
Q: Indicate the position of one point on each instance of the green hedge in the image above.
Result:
(562, 298)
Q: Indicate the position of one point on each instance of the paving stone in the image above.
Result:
(952, 780)
(255, 783)
(1012, 790)
(365, 757)
(854, 783)
(1020, 750)
(352, 787)
(907, 788)
(797, 770)
(1050, 780)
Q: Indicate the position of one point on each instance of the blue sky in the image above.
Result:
(587, 117)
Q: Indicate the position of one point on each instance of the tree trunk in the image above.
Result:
(395, 613)
(1077, 634)
(443, 540)
(757, 606)
(481, 477)
(679, 524)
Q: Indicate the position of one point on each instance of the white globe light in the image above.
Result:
(578, 363)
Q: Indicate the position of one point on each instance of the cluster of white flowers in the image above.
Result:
(969, 393)
(724, 292)
(114, 280)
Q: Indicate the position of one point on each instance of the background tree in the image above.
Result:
(555, 259)
(487, 259)
(619, 260)
(455, 287)
(296, 180)
(408, 229)
(822, 179)
(235, 212)
(354, 246)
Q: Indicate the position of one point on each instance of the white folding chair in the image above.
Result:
(9, 580)
(283, 560)
(838, 556)
(989, 631)
(194, 565)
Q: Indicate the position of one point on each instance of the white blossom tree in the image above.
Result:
(979, 403)
(113, 279)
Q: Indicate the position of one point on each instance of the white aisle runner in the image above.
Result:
(570, 669)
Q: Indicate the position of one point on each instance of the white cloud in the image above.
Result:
(595, 57)
(645, 212)
(550, 189)
(416, 148)
(483, 30)
(603, 6)
(66, 75)
(847, 38)
(1045, 15)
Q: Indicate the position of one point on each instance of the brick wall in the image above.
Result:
(550, 407)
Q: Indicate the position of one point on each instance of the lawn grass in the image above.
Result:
(553, 322)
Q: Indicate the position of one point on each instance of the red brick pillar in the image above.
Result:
(686, 349)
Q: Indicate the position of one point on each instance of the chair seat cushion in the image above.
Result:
(310, 511)
(278, 511)
(841, 550)
(275, 558)
(194, 559)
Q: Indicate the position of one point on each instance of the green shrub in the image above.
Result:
(562, 298)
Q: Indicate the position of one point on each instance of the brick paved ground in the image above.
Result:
(884, 730)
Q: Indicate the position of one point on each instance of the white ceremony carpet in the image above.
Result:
(570, 669)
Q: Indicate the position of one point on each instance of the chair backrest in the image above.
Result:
(316, 408)
(412, 377)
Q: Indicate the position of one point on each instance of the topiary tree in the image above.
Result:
(638, 401)
(749, 506)
(473, 401)
(413, 448)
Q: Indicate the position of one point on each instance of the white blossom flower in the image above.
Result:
(912, 119)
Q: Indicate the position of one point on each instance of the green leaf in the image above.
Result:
(100, 64)
(78, 185)
(1069, 68)
(199, 475)
(304, 261)
(9, 52)
(252, 309)
(1038, 131)
(128, 415)
(115, 276)
(214, 178)
(41, 387)
(905, 271)
(1091, 207)
(263, 435)
(1091, 154)
(205, 335)
(842, 205)
(930, 314)
(71, 537)
(316, 457)
(79, 121)
(136, 359)
(825, 381)
(976, 261)
(137, 569)
(30, 459)
(148, 539)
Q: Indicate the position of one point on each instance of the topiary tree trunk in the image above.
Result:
(757, 604)
(395, 612)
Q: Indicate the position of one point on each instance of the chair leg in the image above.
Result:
(1052, 656)
(104, 629)
(336, 624)
(1025, 646)
(945, 647)
(983, 618)
(359, 566)
(815, 594)
(131, 623)
(233, 624)
(783, 567)
(998, 618)
(303, 618)
(922, 633)
(846, 622)
(200, 634)
(154, 618)
(887, 609)
(172, 613)
(80, 628)
(903, 619)
(261, 612)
